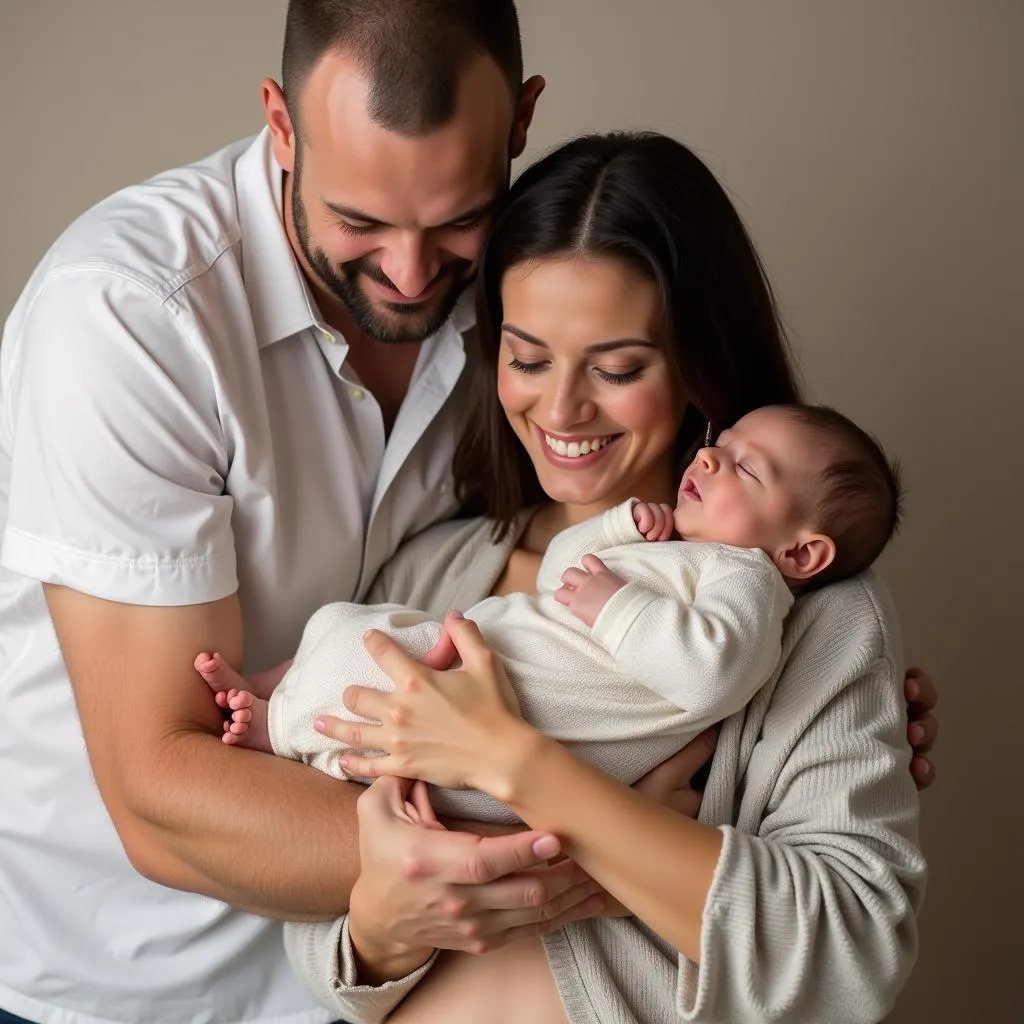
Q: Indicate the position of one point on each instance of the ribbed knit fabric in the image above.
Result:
(812, 912)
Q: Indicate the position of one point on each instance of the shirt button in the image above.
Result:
(357, 393)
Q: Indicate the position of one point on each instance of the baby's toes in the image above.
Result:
(242, 716)
(238, 699)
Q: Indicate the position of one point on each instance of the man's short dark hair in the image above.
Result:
(414, 52)
(860, 501)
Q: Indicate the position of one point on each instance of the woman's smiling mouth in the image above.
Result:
(579, 450)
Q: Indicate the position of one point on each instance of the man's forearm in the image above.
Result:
(260, 832)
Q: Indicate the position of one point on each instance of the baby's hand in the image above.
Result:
(653, 519)
(586, 591)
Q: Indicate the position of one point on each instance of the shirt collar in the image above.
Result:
(274, 283)
(464, 314)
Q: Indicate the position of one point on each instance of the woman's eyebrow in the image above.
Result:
(597, 347)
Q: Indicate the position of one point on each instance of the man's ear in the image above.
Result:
(282, 131)
(528, 96)
(808, 555)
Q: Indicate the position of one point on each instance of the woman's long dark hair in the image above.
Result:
(647, 201)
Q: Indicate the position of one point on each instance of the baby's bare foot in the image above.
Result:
(247, 726)
(219, 675)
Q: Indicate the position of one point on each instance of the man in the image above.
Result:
(226, 396)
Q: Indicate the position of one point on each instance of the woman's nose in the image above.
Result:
(570, 406)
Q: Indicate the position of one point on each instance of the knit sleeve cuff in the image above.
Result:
(324, 958)
(617, 617)
(618, 525)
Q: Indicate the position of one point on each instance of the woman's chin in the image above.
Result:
(577, 492)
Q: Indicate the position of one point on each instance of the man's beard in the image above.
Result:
(408, 321)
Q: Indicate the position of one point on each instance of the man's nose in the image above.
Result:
(411, 264)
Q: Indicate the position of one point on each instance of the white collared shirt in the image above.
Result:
(177, 423)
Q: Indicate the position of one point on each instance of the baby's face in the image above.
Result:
(754, 488)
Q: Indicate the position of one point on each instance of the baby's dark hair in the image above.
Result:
(860, 504)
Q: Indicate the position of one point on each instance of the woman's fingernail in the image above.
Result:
(345, 763)
(913, 689)
(319, 724)
(456, 614)
(916, 734)
(545, 847)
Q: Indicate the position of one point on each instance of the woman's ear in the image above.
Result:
(808, 555)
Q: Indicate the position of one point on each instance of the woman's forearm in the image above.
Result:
(657, 863)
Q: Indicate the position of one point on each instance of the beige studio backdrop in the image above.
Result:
(876, 150)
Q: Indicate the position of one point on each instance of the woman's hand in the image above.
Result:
(923, 728)
(456, 729)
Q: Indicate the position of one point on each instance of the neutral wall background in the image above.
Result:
(876, 150)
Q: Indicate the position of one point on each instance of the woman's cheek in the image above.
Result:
(513, 390)
(651, 410)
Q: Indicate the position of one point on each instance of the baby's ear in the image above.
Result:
(809, 554)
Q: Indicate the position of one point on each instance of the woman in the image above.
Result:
(621, 304)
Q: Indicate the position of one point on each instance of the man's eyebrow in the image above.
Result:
(475, 212)
(351, 213)
(598, 347)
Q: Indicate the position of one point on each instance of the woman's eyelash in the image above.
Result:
(610, 378)
(629, 377)
(525, 367)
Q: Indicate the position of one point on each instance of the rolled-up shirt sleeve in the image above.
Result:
(118, 459)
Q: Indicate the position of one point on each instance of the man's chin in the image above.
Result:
(403, 322)
(388, 326)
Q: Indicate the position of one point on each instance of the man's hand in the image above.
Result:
(422, 887)
(923, 728)
(653, 519)
(586, 591)
(672, 782)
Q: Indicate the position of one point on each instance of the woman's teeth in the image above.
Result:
(574, 449)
